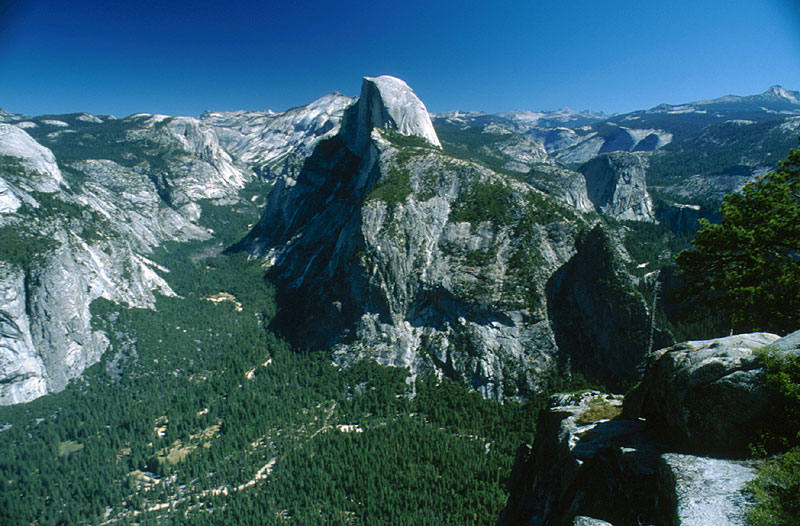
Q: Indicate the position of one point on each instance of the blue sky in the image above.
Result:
(179, 57)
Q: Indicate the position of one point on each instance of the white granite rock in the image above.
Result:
(15, 142)
(386, 102)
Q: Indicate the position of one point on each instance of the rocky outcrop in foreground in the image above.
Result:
(705, 396)
(591, 464)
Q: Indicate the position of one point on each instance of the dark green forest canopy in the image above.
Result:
(776, 489)
(197, 398)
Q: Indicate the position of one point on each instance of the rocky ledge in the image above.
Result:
(705, 397)
(593, 464)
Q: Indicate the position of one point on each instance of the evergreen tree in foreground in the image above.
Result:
(748, 265)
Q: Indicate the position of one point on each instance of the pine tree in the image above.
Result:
(748, 265)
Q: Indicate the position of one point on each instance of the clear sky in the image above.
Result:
(180, 57)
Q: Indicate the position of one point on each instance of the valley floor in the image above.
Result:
(199, 415)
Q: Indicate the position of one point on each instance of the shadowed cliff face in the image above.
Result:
(601, 326)
(316, 225)
(369, 259)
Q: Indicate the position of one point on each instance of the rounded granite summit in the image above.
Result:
(386, 102)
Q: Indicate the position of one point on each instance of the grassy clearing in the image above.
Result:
(599, 411)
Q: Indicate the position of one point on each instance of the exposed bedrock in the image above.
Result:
(676, 455)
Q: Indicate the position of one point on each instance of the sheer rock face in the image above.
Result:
(386, 102)
(610, 351)
(61, 289)
(618, 472)
(97, 235)
(616, 185)
(21, 367)
(46, 337)
(389, 280)
(563, 184)
(706, 396)
(9, 201)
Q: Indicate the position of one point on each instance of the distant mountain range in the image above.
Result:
(575, 137)
(776, 101)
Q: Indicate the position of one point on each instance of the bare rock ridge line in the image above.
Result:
(276, 144)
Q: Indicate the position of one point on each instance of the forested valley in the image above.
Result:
(200, 415)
